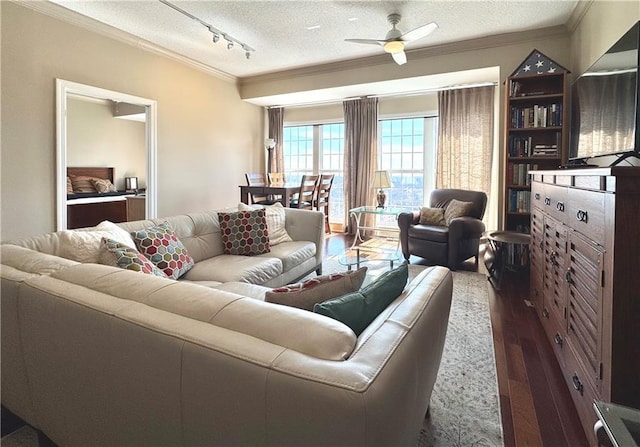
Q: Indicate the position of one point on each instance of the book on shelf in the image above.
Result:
(536, 116)
(518, 173)
(519, 201)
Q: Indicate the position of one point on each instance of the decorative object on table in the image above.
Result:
(380, 181)
(269, 145)
(131, 184)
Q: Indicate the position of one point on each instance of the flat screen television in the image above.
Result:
(604, 107)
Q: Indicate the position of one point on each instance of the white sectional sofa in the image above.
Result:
(97, 355)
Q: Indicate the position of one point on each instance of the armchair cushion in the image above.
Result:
(456, 208)
(436, 233)
(432, 216)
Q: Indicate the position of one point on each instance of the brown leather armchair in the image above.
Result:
(443, 245)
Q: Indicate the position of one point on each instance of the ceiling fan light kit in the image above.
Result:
(395, 40)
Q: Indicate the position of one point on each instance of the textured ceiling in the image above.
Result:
(278, 30)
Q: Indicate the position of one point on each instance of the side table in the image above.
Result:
(494, 255)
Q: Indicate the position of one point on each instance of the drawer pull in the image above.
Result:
(547, 201)
(577, 385)
(537, 196)
(582, 216)
(545, 313)
(558, 340)
(560, 207)
(569, 277)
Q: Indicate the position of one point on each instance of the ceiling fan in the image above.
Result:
(394, 41)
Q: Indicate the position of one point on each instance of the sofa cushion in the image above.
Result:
(225, 268)
(129, 258)
(275, 221)
(163, 248)
(316, 290)
(244, 232)
(358, 309)
(432, 216)
(456, 208)
(85, 245)
(242, 288)
(432, 233)
(292, 253)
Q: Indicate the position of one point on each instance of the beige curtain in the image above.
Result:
(276, 131)
(465, 138)
(360, 153)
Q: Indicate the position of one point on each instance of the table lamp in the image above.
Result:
(381, 180)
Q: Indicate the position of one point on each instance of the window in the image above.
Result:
(407, 148)
(317, 149)
(298, 152)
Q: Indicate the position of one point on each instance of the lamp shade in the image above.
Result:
(269, 143)
(381, 179)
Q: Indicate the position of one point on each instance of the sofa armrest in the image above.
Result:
(306, 225)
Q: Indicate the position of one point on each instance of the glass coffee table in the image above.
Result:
(372, 250)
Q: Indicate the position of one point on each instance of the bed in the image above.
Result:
(86, 209)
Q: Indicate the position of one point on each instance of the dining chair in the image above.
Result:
(322, 198)
(258, 179)
(276, 178)
(307, 192)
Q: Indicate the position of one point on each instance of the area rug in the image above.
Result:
(464, 408)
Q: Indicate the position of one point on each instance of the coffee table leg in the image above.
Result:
(358, 257)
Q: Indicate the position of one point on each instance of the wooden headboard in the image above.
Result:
(98, 172)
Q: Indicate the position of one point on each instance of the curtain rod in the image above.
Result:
(389, 95)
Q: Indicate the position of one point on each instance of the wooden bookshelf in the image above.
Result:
(536, 137)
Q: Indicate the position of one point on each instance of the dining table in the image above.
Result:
(282, 190)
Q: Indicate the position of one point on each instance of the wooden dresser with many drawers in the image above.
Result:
(585, 280)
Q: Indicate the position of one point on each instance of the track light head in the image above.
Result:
(247, 55)
(216, 37)
(229, 45)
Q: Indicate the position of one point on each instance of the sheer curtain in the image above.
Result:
(466, 138)
(276, 131)
(360, 153)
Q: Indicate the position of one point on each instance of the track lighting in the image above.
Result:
(216, 33)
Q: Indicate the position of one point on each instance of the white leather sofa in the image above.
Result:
(97, 355)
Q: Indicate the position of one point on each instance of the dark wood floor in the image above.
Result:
(534, 400)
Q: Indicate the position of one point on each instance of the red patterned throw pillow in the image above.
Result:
(129, 258)
(317, 290)
(244, 232)
(163, 248)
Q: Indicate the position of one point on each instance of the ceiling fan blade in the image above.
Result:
(420, 32)
(400, 57)
(366, 41)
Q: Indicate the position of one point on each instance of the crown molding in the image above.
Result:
(493, 41)
(578, 14)
(73, 18)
